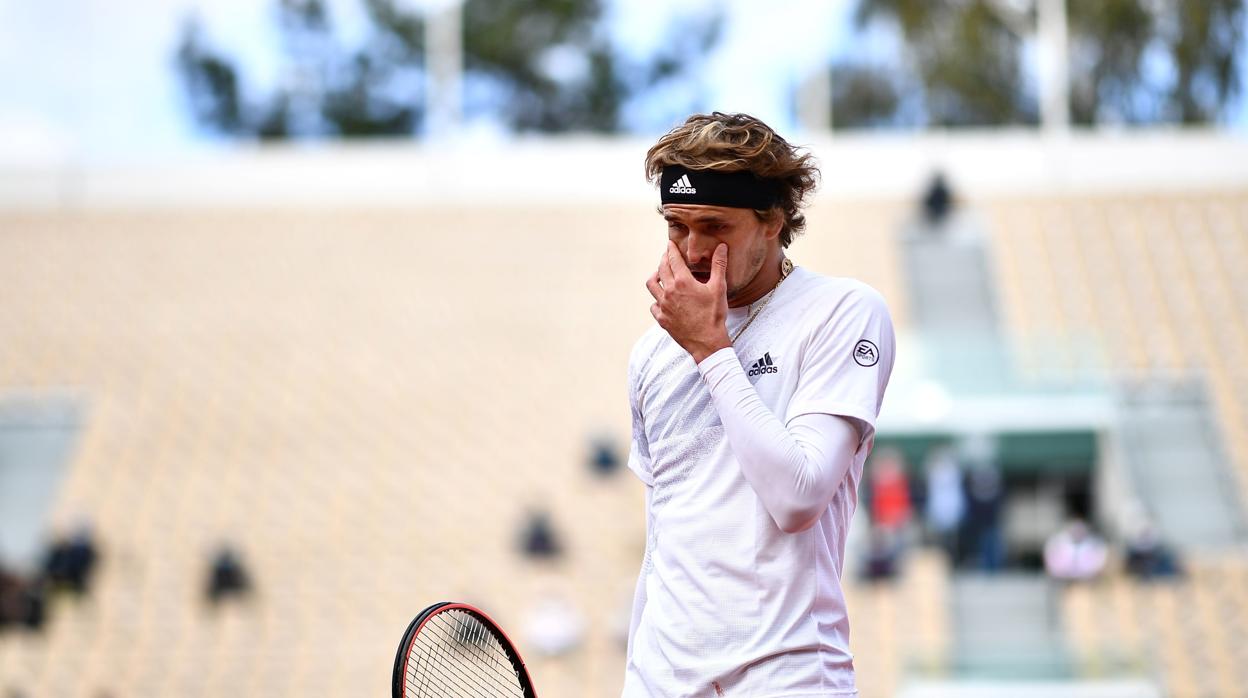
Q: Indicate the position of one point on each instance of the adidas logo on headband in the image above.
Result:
(682, 186)
(736, 189)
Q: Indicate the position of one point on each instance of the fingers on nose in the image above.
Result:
(699, 254)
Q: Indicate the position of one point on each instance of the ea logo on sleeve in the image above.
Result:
(865, 353)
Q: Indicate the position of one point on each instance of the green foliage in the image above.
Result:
(864, 96)
(357, 110)
(1107, 43)
(965, 57)
(974, 77)
(211, 82)
(405, 29)
(1204, 37)
(535, 65)
(509, 43)
(1110, 40)
(325, 91)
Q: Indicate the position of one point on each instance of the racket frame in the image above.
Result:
(413, 630)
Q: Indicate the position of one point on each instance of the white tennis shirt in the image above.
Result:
(727, 604)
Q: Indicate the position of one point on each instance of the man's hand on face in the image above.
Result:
(692, 312)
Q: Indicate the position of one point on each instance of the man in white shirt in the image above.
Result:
(754, 401)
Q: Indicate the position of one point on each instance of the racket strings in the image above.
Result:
(437, 672)
(487, 647)
(456, 655)
(446, 671)
(476, 661)
(473, 638)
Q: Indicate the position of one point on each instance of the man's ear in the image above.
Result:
(774, 224)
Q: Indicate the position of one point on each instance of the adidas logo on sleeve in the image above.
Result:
(682, 186)
(763, 365)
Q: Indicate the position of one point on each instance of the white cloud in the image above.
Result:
(32, 140)
(638, 26)
(766, 51)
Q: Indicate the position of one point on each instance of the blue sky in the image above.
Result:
(94, 78)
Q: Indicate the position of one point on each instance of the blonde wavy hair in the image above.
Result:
(740, 142)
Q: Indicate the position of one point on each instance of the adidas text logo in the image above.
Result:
(763, 365)
(682, 186)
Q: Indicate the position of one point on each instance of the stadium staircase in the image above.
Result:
(953, 303)
(949, 277)
(1179, 467)
(1007, 625)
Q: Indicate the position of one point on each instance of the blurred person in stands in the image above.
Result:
(227, 576)
(890, 494)
(537, 538)
(937, 202)
(554, 626)
(1075, 553)
(1147, 557)
(22, 601)
(754, 400)
(985, 497)
(603, 460)
(10, 586)
(946, 499)
(70, 561)
(881, 561)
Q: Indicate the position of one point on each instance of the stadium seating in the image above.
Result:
(367, 402)
(1156, 281)
(1188, 633)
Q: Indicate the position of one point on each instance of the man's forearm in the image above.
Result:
(796, 470)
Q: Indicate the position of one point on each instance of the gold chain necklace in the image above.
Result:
(786, 268)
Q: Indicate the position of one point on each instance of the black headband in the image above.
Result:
(680, 185)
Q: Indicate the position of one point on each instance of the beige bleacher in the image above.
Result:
(1155, 281)
(367, 402)
(900, 627)
(1187, 633)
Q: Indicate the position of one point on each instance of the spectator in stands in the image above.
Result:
(538, 540)
(227, 577)
(603, 459)
(890, 494)
(554, 626)
(1148, 557)
(35, 596)
(882, 557)
(1075, 553)
(70, 560)
(10, 584)
(985, 495)
(937, 202)
(946, 499)
(22, 601)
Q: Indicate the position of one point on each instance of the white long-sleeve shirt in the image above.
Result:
(752, 461)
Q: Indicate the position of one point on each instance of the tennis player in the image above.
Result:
(754, 402)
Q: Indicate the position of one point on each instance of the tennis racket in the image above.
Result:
(452, 650)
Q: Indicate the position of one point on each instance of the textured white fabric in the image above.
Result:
(794, 469)
(727, 603)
